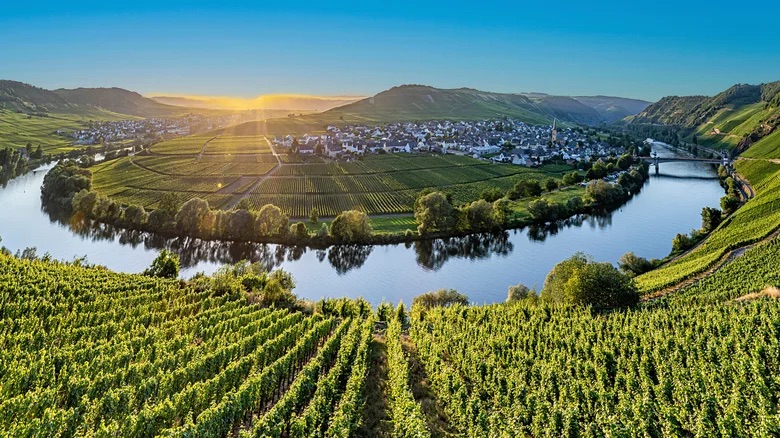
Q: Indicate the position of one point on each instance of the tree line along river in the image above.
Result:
(481, 266)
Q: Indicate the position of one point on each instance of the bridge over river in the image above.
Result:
(656, 160)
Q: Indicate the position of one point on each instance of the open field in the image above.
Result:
(17, 129)
(230, 165)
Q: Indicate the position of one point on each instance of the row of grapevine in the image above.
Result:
(408, 419)
(89, 352)
(347, 413)
(537, 370)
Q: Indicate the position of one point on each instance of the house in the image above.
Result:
(501, 158)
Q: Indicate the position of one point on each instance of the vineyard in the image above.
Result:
(529, 370)
(222, 169)
(89, 352)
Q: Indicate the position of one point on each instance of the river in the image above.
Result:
(481, 266)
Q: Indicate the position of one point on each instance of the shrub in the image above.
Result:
(580, 280)
(440, 298)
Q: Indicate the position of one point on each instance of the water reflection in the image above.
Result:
(433, 254)
(430, 254)
(344, 258)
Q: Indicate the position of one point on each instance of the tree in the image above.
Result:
(501, 211)
(580, 280)
(243, 204)
(551, 184)
(540, 210)
(480, 215)
(324, 231)
(681, 243)
(271, 221)
(602, 192)
(492, 194)
(624, 162)
(170, 203)
(632, 265)
(299, 231)
(166, 265)
(525, 188)
(433, 212)
(136, 216)
(351, 226)
(710, 219)
(85, 202)
(729, 204)
(314, 215)
(574, 204)
(191, 215)
(571, 178)
(517, 292)
(240, 225)
(440, 298)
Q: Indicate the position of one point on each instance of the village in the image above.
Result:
(140, 132)
(502, 140)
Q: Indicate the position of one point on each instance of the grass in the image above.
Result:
(17, 129)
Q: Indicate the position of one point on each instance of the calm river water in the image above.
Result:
(481, 266)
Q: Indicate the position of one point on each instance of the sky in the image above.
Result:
(633, 49)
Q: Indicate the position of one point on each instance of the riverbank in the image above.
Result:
(68, 188)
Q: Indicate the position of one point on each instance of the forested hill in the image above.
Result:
(119, 100)
(735, 118)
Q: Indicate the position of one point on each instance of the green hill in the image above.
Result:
(18, 96)
(120, 101)
(419, 102)
(735, 118)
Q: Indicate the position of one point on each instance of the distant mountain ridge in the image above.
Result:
(401, 103)
(613, 108)
(422, 102)
(291, 102)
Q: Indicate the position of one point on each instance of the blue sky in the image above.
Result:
(633, 49)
